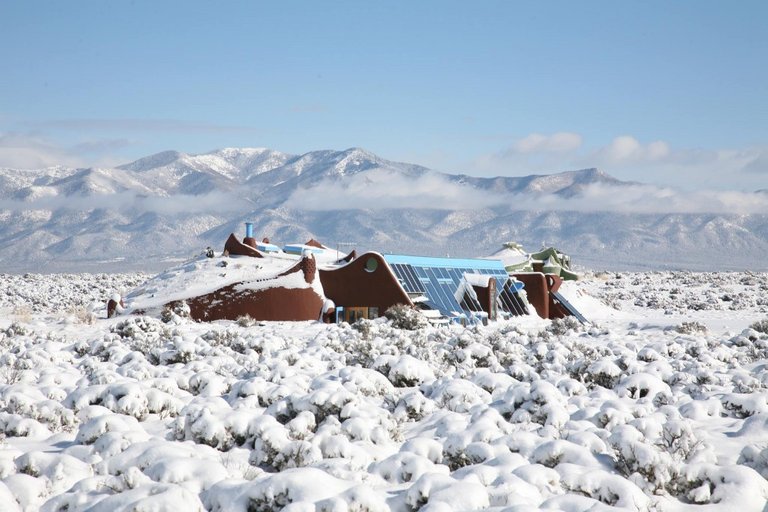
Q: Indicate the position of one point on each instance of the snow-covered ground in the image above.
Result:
(661, 404)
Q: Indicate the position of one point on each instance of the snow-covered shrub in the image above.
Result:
(413, 405)
(407, 371)
(760, 326)
(433, 488)
(91, 430)
(405, 317)
(404, 467)
(363, 326)
(226, 337)
(12, 368)
(458, 395)
(605, 487)
(743, 405)
(604, 373)
(17, 329)
(756, 457)
(82, 315)
(724, 485)
(538, 402)
(61, 470)
(245, 321)
(562, 326)
(175, 312)
(31, 403)
(361, 498)
(298, 488)
(142, 333)
(643, 386)
(692, 327)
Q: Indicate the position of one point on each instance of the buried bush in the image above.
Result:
(405, 317)
(175, 311)
(760, 326)
(691, 328)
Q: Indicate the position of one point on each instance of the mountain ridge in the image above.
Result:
(166, 206)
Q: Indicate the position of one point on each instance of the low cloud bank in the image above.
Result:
(214, 203)
(384, 190)
(649, 199)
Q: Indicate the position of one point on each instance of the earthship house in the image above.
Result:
(313, 282)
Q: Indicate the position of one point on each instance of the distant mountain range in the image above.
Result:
(168, 206)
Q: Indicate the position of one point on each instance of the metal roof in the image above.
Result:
(431, 261)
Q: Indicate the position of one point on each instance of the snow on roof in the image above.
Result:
(510, 257)
(299, 248)
(262, 246)
(478, 279)
(204, 275)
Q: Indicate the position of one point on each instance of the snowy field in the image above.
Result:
(660, 404)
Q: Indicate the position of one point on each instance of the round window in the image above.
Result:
(371, 264)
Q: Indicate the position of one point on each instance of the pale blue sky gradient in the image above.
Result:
(457, 86)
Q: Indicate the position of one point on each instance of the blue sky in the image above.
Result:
(671, 93)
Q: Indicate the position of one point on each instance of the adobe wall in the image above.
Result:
(353, 285)
(537, 287)
(236, 247)
(486, 295)
(279, 304)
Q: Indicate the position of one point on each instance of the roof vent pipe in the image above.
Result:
(249, 230)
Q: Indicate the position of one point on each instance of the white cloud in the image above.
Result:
(30, 151)
(130, 202)
(627, 149)
(561, 142)
(758, 164)
(649, 199)
(22, 151)
(628, 158)
(381, 189)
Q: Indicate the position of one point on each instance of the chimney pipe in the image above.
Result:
(249, 230)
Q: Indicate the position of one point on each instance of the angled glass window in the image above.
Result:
(442, 281)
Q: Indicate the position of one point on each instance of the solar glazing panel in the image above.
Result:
(440, 278)
(407, 278)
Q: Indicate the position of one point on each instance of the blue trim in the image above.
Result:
(299, 248)
(267, 247)
(430, 261)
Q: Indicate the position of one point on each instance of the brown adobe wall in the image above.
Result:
(275, 304)
(349, 257)
(281, 304)
(353, 285)
(556, 310)
(538, 287)
(486, 295)
(314, 243)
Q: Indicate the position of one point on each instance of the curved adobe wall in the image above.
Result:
(278, 303)
(353, 285)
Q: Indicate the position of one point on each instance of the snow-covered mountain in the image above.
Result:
(164, 207)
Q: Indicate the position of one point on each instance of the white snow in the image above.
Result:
(660, 403)
(203, 275)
